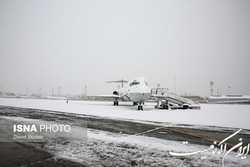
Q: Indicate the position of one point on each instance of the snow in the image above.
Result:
(113, 149)
(234, 116)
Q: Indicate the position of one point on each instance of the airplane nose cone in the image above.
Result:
(139, 93)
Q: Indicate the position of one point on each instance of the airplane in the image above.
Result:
(136, 91)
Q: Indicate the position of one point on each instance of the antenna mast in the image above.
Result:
(211, 88)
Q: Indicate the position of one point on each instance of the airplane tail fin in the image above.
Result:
(119, 81)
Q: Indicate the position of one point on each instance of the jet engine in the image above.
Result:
(115, 93)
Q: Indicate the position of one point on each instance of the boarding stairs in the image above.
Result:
(174, 100)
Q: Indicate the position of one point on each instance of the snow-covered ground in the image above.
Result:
(114, 149)
(234, 116)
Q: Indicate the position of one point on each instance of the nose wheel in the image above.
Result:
(116, 103)
(140, 107)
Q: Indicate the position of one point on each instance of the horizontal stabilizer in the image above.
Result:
(119, 81)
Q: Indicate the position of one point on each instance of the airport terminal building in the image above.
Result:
(229, 99)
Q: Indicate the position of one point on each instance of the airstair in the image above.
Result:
(162, 95)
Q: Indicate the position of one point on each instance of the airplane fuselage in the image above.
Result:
(136, 90)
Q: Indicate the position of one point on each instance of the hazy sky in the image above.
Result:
(51, 43)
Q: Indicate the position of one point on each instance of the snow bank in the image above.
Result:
(235, 116)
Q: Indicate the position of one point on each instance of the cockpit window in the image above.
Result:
(134, 83)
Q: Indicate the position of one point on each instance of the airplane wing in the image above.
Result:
(115, 97)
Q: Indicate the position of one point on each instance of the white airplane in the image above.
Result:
(136, 91)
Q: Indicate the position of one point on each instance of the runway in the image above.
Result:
(159, 130)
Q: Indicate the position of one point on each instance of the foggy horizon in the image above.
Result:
(182, 45)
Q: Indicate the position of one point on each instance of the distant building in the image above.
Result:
(229, 99)
(8, 94)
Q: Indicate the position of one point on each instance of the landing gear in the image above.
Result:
(140, 107)
(116, 103)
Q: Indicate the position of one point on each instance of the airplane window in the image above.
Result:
(134, 83)
(146, 83)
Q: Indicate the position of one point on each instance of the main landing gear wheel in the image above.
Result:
(140, 107)
(116, 103)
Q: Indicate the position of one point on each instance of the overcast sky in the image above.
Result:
(187, 43)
